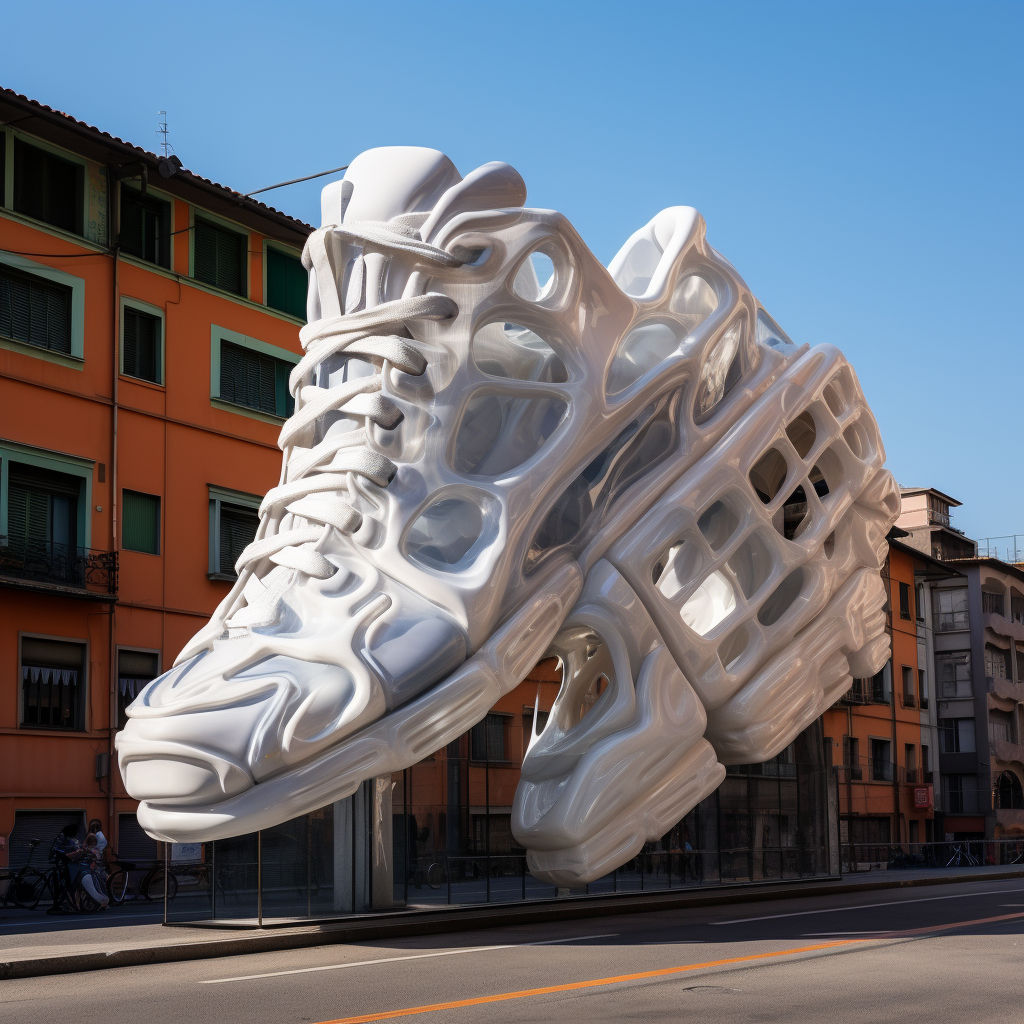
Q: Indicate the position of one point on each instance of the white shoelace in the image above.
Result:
(315, 478)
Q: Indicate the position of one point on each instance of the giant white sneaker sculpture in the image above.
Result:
(631, 468)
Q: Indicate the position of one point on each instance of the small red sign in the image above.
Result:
(922, 796)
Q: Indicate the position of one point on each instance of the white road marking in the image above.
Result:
(415, 956)
(862, 906)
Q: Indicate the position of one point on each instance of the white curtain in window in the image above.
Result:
(49, 676)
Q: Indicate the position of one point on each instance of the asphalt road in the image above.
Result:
(942, 954)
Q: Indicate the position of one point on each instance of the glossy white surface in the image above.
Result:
(489, 426)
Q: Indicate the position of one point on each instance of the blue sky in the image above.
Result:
(859, 163)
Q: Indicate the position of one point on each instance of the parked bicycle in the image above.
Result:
(27, 886)
(151, 887)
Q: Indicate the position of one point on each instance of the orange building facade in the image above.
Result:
(877, 734)
(148, 322)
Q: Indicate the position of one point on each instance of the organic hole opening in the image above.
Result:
(535, 279)
(711, 603)
(782, 598)
(676, 569)
(769, 474)
(802, 434)
(717, 524)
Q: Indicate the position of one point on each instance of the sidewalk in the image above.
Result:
(32, 944)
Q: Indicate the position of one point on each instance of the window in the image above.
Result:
(926, 763)
(287, 283)
(48, 187)
(908, 687)
(254, 380)
(869, 831)
(219, 257)
(996, 663)
(880, 685)
(956, 735)
(991, 604)
(949, 609)
(881, 762)
(134, 670)
(35, 311)
(851, 756)
(145, 227)
(922, 687)
(910, 760)
(1001, 726)
(140, 522)
(953, 669)
(904, 600)
(920, 602)
(142, 342)
(42, 525)
(488, 739)
(234, 519)
(52, 684)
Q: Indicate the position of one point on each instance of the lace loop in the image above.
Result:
(318, 477)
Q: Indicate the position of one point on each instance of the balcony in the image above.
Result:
(1002, 626)
(1005, 749)
(57, 568)
(1005, 688)
(938, 518)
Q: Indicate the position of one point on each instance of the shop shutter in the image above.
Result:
(237, 530)
(140, 522)
(219, 257)
(44, 826)
(287, 283)
(35, 311)
(141, 345)
(47, 187)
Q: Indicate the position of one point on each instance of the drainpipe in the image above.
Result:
(892, 693)
(114, 201)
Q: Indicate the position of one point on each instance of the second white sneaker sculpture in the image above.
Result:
(632, 468)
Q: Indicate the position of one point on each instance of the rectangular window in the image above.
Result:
(991, 604)
(233, 528)
(1001, 726)
(922, 687)
(145, 227)
(949, 609)
(926, 763)
(48, 187)
(134, 670)
(142, 344)
(42, 526)
(880, 686)
(904, 600)
(851, 756)
(881, 762)
(996, 663)
(35, 311)
(953, 669)
(919, 601)
(219, 257)
(910, 760)
(908, 687)
(254, 380)
(287, 283)
(52, 684)
(956, 735)
(140, 522)
(488, 739)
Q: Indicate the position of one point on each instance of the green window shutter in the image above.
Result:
(218, 257)
(140, 522)
(237, 529)
(47, 187)
(35, 311)
(254, 380)
(287, 283)
(142, 345)
(28, 513)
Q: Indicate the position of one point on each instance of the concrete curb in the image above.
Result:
(432, 922)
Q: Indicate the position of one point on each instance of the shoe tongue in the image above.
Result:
(388, 182)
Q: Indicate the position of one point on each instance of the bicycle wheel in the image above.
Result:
(155, 885)
(29, 889)
(117, 886)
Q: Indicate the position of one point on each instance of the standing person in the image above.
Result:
(95, 827)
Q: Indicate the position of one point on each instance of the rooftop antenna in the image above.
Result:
(162, 130)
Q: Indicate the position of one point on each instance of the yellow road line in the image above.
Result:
(573, 986)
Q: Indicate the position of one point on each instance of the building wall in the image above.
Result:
(171, 440)
(879, 805)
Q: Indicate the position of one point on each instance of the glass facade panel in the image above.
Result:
(451, 840)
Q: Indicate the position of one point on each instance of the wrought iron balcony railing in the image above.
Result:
(36, 561)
